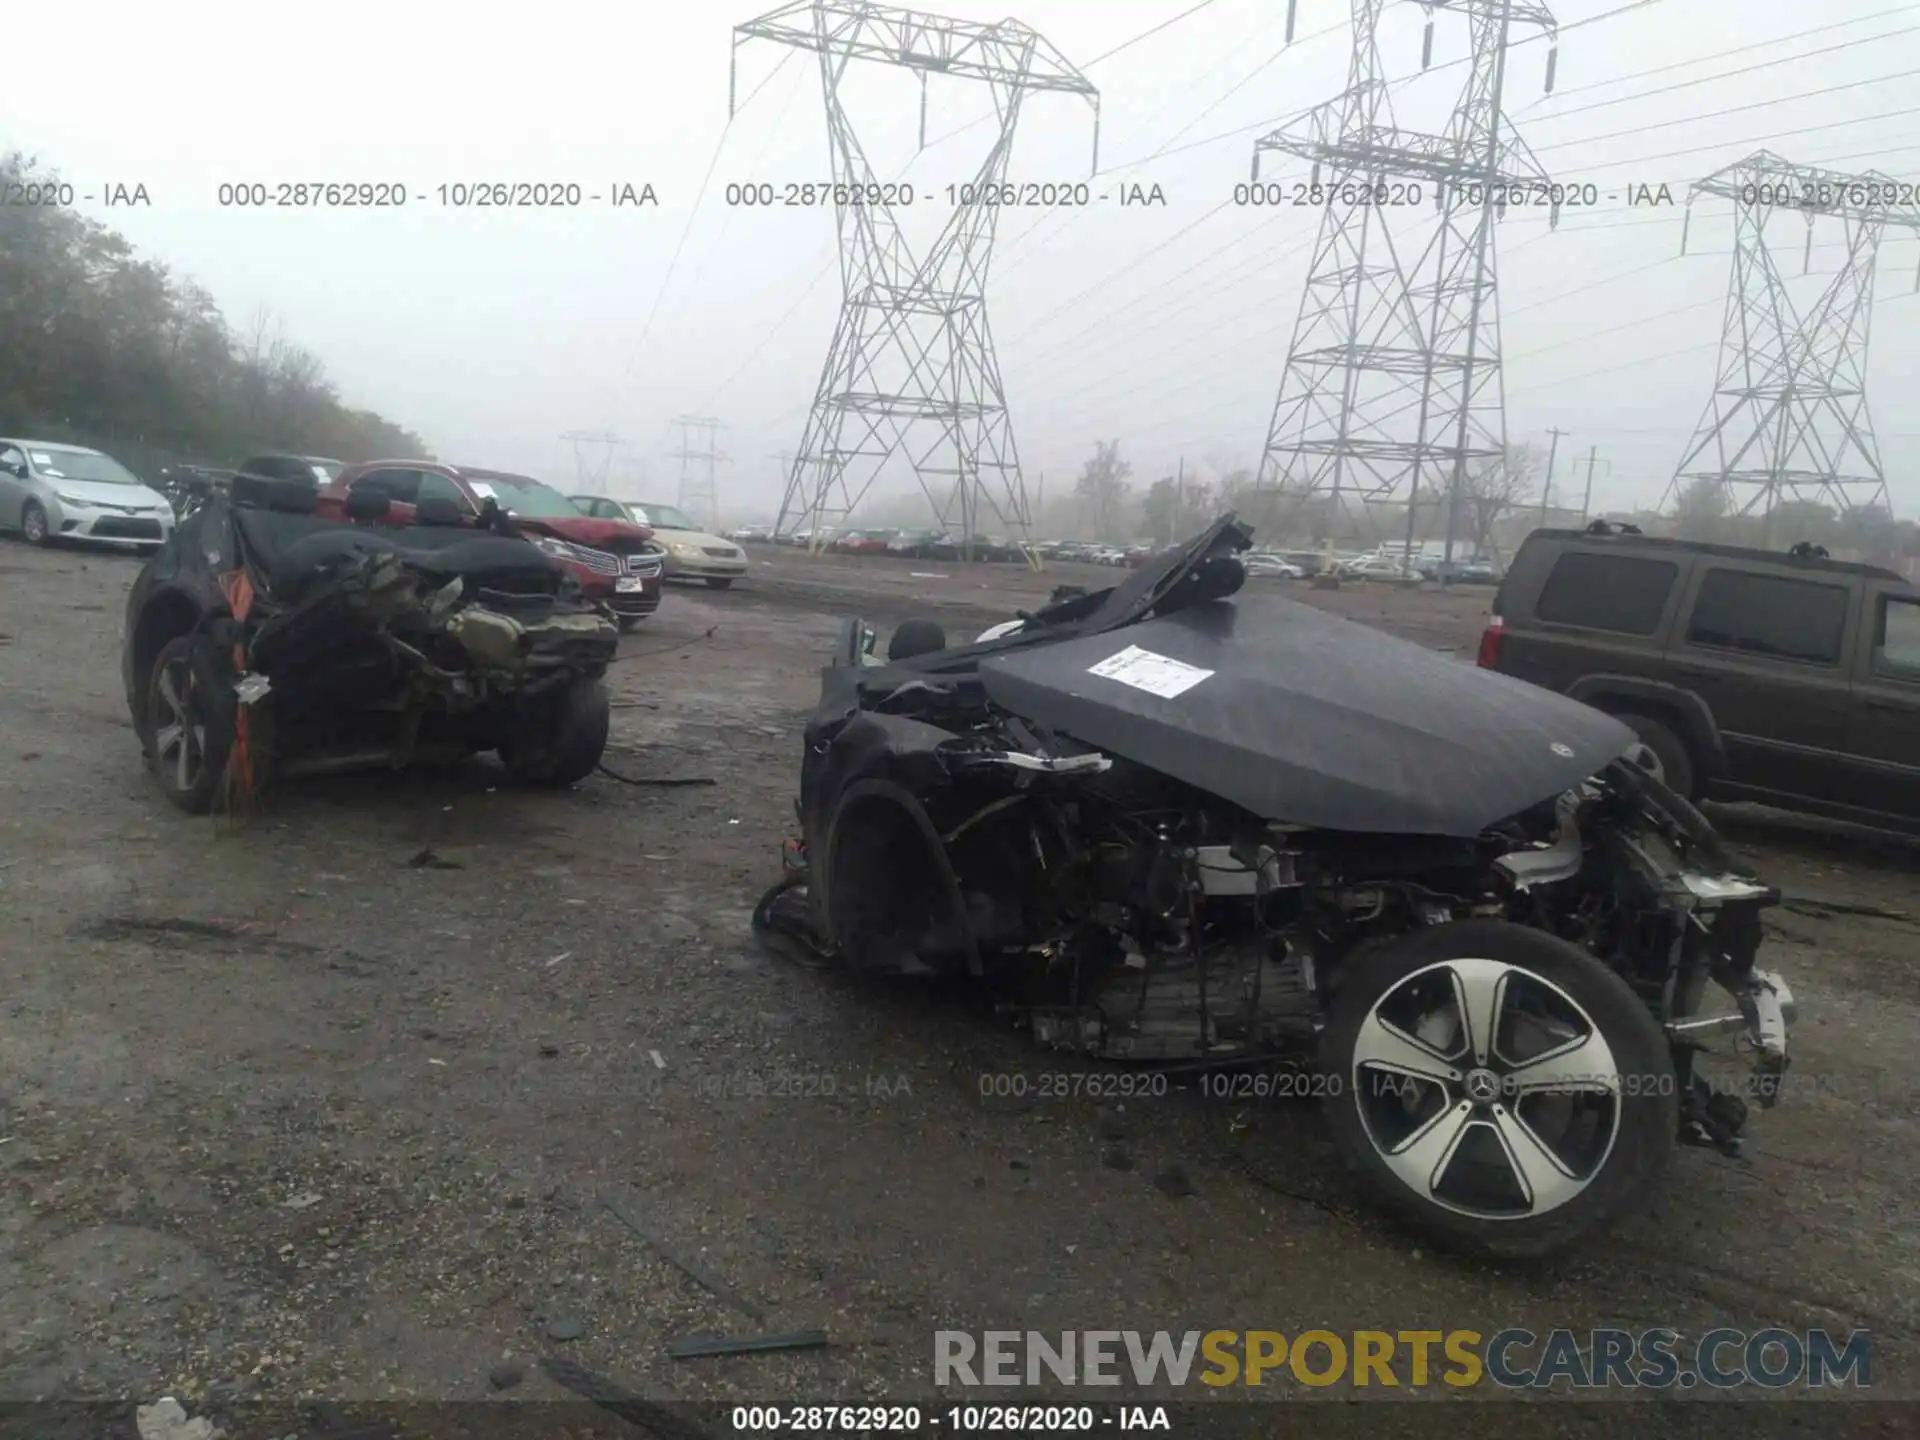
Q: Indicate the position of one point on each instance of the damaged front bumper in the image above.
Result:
(1722, 913)
(1759, 1027)
(1716, 942)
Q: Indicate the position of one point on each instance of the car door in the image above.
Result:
(431, 485)
(1767, 652)
(1884, 737)
(13, 488)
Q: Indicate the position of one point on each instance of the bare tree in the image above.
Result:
(1491, 492)
(1102, 486)
(1702, 510)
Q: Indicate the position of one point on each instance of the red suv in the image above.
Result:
(617, 563)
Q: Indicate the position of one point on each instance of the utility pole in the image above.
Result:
(911, 382)
(1546, 486)
(1586, 504)
(699, 488)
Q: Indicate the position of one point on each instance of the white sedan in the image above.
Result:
(67, 492)
(1272, 566)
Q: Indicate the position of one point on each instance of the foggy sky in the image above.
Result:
(492, 332)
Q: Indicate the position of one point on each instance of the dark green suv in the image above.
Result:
(1787, 679)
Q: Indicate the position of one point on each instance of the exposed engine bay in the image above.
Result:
(1168, 824)
(262, 641)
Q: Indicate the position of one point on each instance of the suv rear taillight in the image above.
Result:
(1489, 658)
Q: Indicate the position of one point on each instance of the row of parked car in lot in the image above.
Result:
(1395, 565)
(1282, 565)
(620, 551)
(901, 544)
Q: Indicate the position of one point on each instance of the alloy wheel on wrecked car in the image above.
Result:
(1486, 1089)
(180, 742)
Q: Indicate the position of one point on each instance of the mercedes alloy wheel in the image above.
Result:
(1497, 1086)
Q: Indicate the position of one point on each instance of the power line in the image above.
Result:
(1401, 84)
(1213, 374)
(1098, 285)
(1709, 59)
(1729, 110)
(1171, 149)
(1639, 324)
(692, 215)
(1712, 344)
(1112, 316)
(1166, 145)
(1640, 95)
(1225, 281)
(753, 165)
(1755, 140)
(1212, 377)
(1180, 300)
(1148, 34)
(1123, 45)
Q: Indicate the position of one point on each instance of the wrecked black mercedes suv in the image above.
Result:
(264, 641)
(1174, 823)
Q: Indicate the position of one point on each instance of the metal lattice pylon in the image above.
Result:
(912, 368)
(593, 452)
(1393, 384)
(699, 493)
(1788, 416)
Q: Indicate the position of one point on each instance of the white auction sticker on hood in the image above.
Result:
(1160, 675)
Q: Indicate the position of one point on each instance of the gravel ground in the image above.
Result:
(283, 1115)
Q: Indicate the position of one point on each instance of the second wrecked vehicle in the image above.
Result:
(265, 641)
(1172, 823)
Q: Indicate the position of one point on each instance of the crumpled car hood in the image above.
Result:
(587, 530)
(1310, 719)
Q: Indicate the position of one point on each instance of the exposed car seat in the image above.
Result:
(266, 492)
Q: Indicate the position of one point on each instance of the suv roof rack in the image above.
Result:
(1804, 553)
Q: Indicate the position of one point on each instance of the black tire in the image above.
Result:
(33, 524)
(1675, 758)
(719, 582)
(560, 740)
(189, 728)
(1628, 1144)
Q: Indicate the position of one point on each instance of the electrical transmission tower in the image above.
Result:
(1392, 386)
(1788, 416)
(592, 457)
(912, 369)
(699, 486)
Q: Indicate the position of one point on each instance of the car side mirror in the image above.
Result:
(15, 468)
